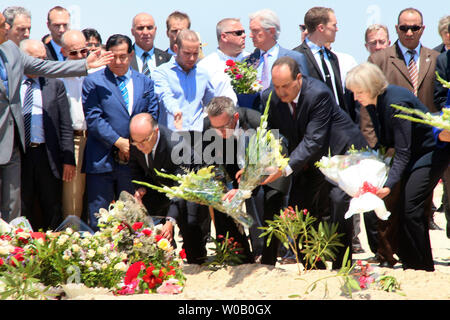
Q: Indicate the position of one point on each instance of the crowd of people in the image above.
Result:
(81, 118)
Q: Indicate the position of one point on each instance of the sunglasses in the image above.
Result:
(302, 27)
(76, 52)
(136, 143)
(93, 44)
(237, 33)
(413, 28)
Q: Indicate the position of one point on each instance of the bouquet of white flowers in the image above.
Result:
(263, 156)
(360, 174)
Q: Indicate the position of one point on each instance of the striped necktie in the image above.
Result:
(145, 69)
(413, 71)
(265, 74)
(123, 89)
(26, 110)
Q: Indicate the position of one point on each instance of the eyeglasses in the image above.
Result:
(93, 44)
(236, 33)
(375, 42)
(225, 126)
(136, 143)
(413, 28)
(76, 52)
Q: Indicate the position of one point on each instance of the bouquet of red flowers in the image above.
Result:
(243, 77)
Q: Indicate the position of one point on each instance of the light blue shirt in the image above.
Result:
(407, 56)
(4, 76)
(187, 92)
(130, 89)
(151, 61)
(57, 48)
(273, 56)
(37, 118)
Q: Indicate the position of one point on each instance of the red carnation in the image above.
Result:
(137, 225)
(182, 254)
(230, 63)
(147, 232)
(133, 272)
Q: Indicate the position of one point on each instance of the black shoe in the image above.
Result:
(386, 264)
(433, 226)
(375, 259)
(357, 250)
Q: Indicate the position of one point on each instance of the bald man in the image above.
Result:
(146, 57)
(74, 48)
(48, 158)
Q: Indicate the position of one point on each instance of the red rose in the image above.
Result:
(147, 232)
(137, 225)
(158, 237)
(37, 235)
(182, 254)
(133, 272)
(1, 262)
(230, 63)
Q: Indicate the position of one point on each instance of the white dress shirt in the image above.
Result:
(37, 115)
(74, 92)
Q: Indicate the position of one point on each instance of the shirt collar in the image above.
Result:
(404, 49)
(57, 47)
(236, 132)
(314, 47)
(176, 65)
(126, 75)
(272, 51)
(139, 51)
(225, 57)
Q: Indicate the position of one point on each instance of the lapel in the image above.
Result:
(397, 59)
(159, 57)
(138, 88)
(134, 64)
(425, 64)
(253, 59)
(311, 60)
(13, 82)
(112, 85)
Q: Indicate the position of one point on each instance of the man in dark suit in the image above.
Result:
(306, 114)
(146, 57)
(152, 147)
(13, 64)
(323, 64)
(110, 98)
(228, 126)
(264, 31)
(49, 156)
(58, 22)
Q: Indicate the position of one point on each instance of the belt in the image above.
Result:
(35, 145)
(80, 133)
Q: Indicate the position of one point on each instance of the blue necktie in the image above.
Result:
(26, 110)
(4, 77)
(145, 69)
(123, 88)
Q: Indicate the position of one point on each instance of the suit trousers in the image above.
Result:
(73, 191)
(103, 188)
(10, 199)
(41, 190)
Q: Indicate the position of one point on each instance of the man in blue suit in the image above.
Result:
(264, 31)
(110, 99)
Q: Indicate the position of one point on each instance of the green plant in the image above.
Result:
(295, 229)
(227, 252)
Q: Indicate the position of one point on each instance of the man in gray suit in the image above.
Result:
(13, 64)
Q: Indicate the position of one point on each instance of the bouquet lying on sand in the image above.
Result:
(207, 186)
(360, 173)
(439, 121)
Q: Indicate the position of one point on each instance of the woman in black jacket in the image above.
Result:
(417, 164)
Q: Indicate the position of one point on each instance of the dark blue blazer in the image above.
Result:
(254, 58)
(413, 142)
(107, 116)
(321, 126)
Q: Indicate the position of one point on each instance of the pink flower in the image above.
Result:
(170, 286)
(365, 281)
(239, 76)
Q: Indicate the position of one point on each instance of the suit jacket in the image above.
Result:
(392, 63)
(248, 119)
(17, 64)
(440, 48)
(107, 117)
(155, 202)
(315, 70)
(320, 127)
(443, 69)
(413, 142)
(51, 53)
(57, 124)
(254, 58)
(160, 57)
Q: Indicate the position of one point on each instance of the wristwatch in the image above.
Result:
(174, 222)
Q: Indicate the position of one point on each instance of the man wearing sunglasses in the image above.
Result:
(231, 44)
(74, 48)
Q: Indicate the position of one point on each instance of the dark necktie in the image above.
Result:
(145, 69)
(294, 110)
(326, 71)
(26, 110)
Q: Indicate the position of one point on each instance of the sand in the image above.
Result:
(282, 282)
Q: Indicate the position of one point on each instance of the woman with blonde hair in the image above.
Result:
(417, 163)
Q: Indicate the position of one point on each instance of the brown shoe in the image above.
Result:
(288, 261)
